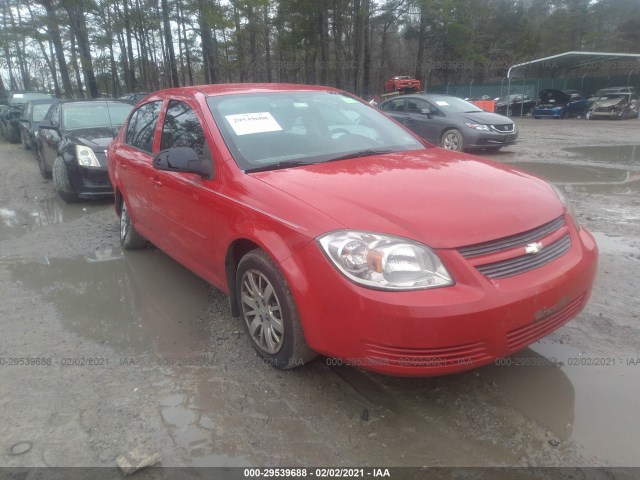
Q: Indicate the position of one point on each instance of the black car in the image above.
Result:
(133, 97)
(12, 116)
(515, 105)
(71, 144)
(451, 122)
(34, 111)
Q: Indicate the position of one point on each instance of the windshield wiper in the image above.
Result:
(276, 166)
(361, 153)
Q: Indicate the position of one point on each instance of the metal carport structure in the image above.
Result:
(559, 66)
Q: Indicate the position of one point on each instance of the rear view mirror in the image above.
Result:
(426, 111)
(183, 159)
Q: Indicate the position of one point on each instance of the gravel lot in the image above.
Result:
(132, 350)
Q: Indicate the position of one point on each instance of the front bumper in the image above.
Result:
(442, 330)
(90, 182)
(483, 139)
(547, 112)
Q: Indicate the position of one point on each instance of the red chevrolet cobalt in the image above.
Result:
(334, 230)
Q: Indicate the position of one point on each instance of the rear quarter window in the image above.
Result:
(142, 126)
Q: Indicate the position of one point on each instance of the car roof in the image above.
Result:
(232, 88)
(43, 100)
(94, 101)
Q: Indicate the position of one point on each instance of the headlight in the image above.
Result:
(477, 126)
(384, 261)
(86, 157)
(565, 201)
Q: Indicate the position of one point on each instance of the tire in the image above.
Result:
(62, 183)
(130, 239)
(41, 166)
(25, 144)
(14, 135)
(272, 323)
(452, 140)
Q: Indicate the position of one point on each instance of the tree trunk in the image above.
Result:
(74, 62)
(78, 26)
(168, 38)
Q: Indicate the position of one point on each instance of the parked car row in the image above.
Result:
(611, 103)
(68, 139)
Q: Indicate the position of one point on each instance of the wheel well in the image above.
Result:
(238, 249)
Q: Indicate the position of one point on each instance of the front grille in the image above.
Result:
(506, 243)
(520, 337)
(467, 354)
(524, 263)
(508, 128)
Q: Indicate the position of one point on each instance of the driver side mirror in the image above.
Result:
(426, 111)
(46, 123)
(183, 159)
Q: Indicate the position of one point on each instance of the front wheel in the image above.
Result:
(130, 239)
(62, 182)
(41, 165)
(269, 313)
(452, 140)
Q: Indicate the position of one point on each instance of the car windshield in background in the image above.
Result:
(40, 110)
(85, 115)
(273, 130)
(21, 98)
(455, 105)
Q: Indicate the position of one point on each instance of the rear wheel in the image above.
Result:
(269, 313)
(130, 239)
(452, 140)
(62, 183)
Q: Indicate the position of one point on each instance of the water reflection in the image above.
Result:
(585, 178)
(43, 212)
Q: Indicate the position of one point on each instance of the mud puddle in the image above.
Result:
(605, 409)
(616, 154)
(137, 303)
(40, 213)
(585, 178)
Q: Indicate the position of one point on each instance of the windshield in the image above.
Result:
(40, 110)
(277, 129)
(455, 105)
(99, 114)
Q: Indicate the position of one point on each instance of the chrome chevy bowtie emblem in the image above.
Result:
(533, 248)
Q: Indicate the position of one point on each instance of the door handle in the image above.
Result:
(408, 120)
(156, 181)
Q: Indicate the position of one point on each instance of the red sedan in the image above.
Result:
(334, 230)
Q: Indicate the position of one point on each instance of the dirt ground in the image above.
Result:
(103, 352)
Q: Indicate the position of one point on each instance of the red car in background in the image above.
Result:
(335, 230)
(402, 84)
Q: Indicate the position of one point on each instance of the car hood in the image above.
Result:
(610, 102)
(559, 97)
(443, 199)
(487, 118)
(97, 138)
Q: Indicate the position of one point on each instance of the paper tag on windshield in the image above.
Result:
(442, 103)
(248, 123)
